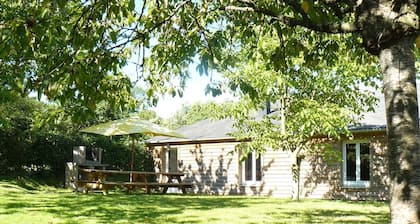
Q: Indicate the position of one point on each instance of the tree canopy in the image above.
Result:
(304, 101)
(67, 51)
(189, 114)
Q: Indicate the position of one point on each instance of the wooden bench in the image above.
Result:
(106, 185)
(97, 179)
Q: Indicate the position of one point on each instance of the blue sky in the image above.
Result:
(194, 92)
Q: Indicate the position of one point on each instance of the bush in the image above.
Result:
(117, 153)
(39, 147)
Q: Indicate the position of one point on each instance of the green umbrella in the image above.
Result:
(130, 126)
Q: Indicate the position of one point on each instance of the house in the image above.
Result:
(209, 159)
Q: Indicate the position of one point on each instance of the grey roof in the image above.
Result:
(374, 120)
(221, 129)
(207, 130)
(201, 131)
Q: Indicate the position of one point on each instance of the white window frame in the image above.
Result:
(252, 182)
(357, 183)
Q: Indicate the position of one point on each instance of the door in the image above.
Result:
(172, 160)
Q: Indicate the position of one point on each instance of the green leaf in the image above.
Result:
(131, 5)
(114, 36)
(214, 90)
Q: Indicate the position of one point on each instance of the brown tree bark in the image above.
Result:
(397, 64)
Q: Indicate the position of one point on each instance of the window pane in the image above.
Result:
(351, 162)
(248, 167)
(364, 162)
(258, 169)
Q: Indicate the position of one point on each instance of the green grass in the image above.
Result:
(26, 201)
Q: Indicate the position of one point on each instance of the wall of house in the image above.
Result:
(321, 179)
(214, 169)
(276, 176)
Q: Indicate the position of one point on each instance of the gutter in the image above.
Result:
(194, 141)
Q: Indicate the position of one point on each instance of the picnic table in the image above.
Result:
(97, 179)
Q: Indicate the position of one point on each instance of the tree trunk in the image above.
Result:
(296, 165)
(398, 69)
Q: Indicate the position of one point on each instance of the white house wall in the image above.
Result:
(210, 167)
(277, 176)
(214, 168)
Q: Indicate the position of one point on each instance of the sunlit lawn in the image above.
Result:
(37, 204)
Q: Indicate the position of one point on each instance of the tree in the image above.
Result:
(169, 34)
(196, 112)
(68, 52)
(15, 136)
(293, 103)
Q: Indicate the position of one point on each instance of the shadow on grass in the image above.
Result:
(332, 216)
(119, 207)
(330, 211)
(136, 208)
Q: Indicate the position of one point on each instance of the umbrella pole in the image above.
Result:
(132, 159)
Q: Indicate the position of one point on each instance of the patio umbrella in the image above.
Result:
(130, 126)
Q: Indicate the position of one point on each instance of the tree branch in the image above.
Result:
(168, 18)
(294, 4)
(248, 2)
(340, 11)
(203, 33)
(292, 22)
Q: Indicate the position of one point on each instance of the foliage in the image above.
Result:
(16, 121)
(68, 51)
(35, 143)
(60, 206)
(117, 152)
(304, 101)
(195, 112)
(96, 38)
(216, 31)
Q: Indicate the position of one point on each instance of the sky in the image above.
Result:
(194, 92)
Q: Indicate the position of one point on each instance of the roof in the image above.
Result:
(374, 120)
(219, 131)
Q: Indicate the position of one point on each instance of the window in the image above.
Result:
(356, 164)
(251, 169)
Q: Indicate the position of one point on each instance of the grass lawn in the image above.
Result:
(27, 202)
